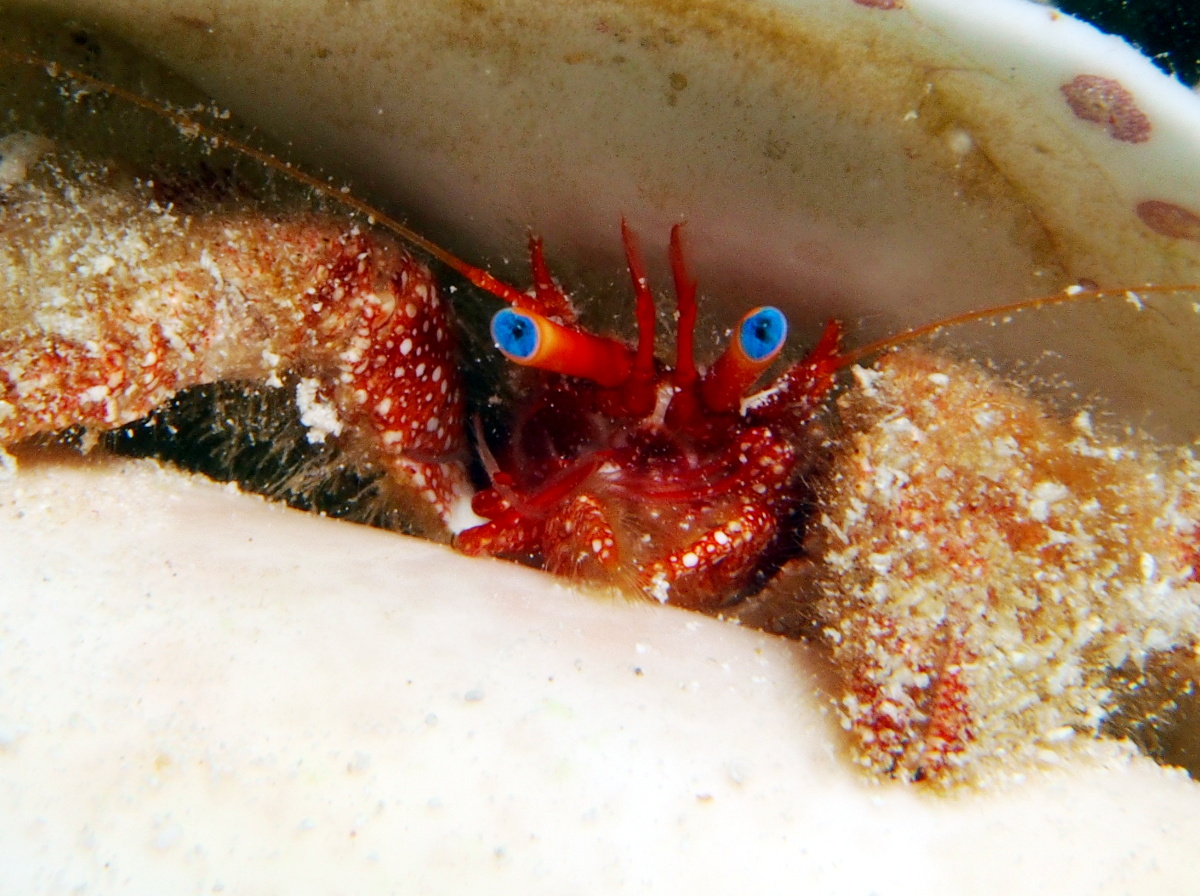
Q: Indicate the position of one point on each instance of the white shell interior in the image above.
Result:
(206, 693)
(887, 166)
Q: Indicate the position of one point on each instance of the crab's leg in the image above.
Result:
(803, 386)
(949, 730)
(580, 540)
(698, 575)
(510, 533)
(920, 731)
(517, 522)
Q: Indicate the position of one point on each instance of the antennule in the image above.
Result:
(685, 298)
(756, 344)
(529, 339)
(188, 125)
(645, 302)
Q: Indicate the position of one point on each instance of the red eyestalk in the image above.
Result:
(756, 344)
(527, 336)
(529, 339)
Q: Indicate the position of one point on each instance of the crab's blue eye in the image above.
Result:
(762, 333)
(529, 339)
(515, 334)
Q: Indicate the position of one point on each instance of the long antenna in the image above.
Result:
(186, 123)
(1070, 294)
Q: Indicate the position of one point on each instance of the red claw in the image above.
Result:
(581, 541)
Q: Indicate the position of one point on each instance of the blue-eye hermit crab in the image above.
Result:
(657, 477)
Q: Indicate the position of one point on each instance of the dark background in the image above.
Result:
(1168, 31)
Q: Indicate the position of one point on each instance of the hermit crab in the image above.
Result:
(933, 528)
(658, 478)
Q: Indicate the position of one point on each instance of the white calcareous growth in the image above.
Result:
(117, 291)
(994, 580)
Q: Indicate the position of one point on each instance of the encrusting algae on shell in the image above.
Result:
(117, 292)
(987, 574)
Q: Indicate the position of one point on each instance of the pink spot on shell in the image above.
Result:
(1107, 103)
(1169, 219)
(881, 4)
